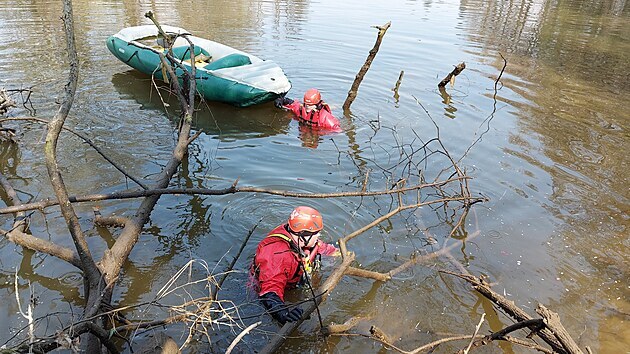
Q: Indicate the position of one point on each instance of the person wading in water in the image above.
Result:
(283, 257)
(314, 112)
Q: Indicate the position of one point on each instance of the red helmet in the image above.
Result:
(305, 218)
(312, 97)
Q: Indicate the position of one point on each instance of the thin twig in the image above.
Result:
(483, 317)
(29, 312)
(240, 336)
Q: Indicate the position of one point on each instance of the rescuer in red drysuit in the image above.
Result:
(314, 113)
(284, 255)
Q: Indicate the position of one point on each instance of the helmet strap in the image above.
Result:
(294, 246)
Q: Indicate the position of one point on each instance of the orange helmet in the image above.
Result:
(305, 218)
(312, 97)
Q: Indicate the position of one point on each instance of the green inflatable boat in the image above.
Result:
(224, 74)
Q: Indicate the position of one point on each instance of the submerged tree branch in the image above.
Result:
(19, 236)
(511, 309)
(352, 94)
(451, 76)
(552, 321)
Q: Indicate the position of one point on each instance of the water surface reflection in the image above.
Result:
(551, 152)
(215, 119)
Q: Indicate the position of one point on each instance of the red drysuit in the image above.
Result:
(277, 262)
(321, 119)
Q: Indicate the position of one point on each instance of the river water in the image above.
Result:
(551, 155)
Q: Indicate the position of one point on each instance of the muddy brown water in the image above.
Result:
(551, 156)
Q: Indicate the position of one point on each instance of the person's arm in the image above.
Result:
(282, 101)
(282, 312)
(326, 249)
(273, 274)
(273, 270)
(327, 121)
(288, 104)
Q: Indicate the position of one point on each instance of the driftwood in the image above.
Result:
(548, 328)
(503, 335)
(451, 76)
(421, 349)
(552, 321)
(398, 82)
(352, 94)
(344, 327)
(5, 102)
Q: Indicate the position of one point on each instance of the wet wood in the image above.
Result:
(352, 94)
(130, 194)
(398, 82)
(379, 334)
(19, 235)
(368, 274)
(511, 309)
(159, 343)
(502, 334)
(240, 336)
(334, 328)
(552, 321)
(483, 317)
(37, 244)
(5, 102)
(112, 220)
(451, 76)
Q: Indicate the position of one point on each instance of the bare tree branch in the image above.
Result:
(19, 236)
(510, 308)
(129, 194)
(552, 321)
(352, 94)
(39, 245)
(90, 269)
(451, 76)
(240, 336)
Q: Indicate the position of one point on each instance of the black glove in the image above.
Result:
(278, 310)
(282, 101)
